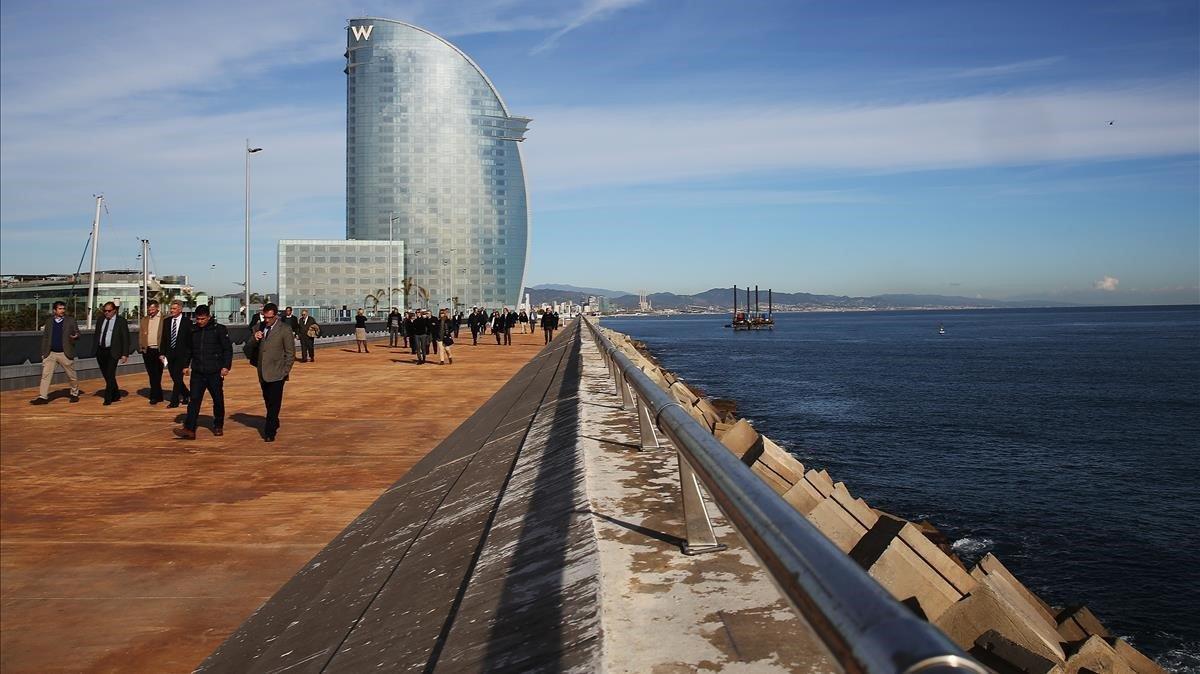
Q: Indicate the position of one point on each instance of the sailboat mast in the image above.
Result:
(92, 279)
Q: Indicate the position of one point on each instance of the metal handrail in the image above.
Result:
(865, 629)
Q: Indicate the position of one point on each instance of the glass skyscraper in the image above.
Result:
(432, 159)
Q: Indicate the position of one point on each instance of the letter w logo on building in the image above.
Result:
(362, 32)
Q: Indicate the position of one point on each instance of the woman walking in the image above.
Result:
(445, 337)
(360, 331)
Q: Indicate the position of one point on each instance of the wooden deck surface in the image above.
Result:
(125, 549)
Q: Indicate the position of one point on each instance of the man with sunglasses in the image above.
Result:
(112, 349)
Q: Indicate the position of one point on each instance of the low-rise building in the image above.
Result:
(329, 276)
(121, 286)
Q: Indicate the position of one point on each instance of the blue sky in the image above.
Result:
(848, 148)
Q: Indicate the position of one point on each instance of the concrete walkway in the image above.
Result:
(125, 549)
(537, 537)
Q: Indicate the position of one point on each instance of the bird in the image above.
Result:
(1112, 122)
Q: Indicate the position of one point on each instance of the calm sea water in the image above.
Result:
(1065, 441)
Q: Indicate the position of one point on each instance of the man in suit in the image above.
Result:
(510, 321)
(175, 344)
(422, 325)
(304, 326)
(211, 357)
(547, 327)
(112, 349)
(273, 350)
(150, 346)
(58, 349)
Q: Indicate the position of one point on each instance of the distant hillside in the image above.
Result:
(599, 292)
(722, 299)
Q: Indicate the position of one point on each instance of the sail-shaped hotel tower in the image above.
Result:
(432, 159)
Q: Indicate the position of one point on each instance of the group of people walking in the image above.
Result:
(197, 356)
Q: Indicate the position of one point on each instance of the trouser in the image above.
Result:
(420, 343)
(306, 349)
(443, 352)
(152, 359)
(548, 333)
(475, 336)
(214, 384)
(108, 368)
(508, 336)
(272, 392)
(393, 337)
(496, 334)
(68, 365)
(179, 388)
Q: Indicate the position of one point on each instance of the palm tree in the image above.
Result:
(406, 286)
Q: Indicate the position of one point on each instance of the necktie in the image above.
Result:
(266, 331)
(108, 332)
(174, 330)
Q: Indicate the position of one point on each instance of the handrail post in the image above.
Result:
(649, 439)
(700, 535)
(623, 389)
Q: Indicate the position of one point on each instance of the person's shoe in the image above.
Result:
(186, 400)
(107, 402)
(172, 405)
(269, 438)
(40, 401)
(185, 433)
(155, 402)
(74, 398)
(218, 431)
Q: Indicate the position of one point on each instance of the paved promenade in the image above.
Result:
(126, 549)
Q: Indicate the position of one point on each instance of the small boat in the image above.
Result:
(941, 329)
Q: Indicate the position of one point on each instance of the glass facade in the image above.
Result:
(432, 159)
(324, 276)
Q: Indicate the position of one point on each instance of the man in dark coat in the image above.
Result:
(307, 330)
(58, 350)
(175, 344)
(419, 333)
(112, 349)
(272, 349)
(212, 357)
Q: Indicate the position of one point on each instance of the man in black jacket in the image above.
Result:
(422, 326)
(112, 349)
(212, 357)
(175, 344)
(476, 321)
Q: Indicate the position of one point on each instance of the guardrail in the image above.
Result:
(865, 629)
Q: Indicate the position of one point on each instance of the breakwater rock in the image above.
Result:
(986, 610)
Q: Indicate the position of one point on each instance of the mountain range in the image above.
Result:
(716, 299)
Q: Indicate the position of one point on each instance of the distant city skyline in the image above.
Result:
(1017, 151)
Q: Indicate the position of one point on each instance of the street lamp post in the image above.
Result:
(391, 259)
(249, 151)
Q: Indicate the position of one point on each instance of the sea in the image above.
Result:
(1064, 441)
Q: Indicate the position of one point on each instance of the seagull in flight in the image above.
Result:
(1112, 122)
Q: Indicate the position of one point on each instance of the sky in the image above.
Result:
(1007, 150)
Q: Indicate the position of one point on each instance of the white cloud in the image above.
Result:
(573, 147)
(1003, 69)
(594, 10)
(1108, 284)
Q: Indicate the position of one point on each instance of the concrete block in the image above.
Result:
(683, 394)
(707, 413)
(1135, 659)
(1000, 655)
(910, 579)
(722, 428)
(992, 567)
(803, 497)
(855, 506)
(1095, 655)
(948, 567)
(709, 410)
(656, 376)
(821, 481)
(698, 414)
(1077, 623)
(989, 608)
(770, 477)
(743, 441)
(779, 460)
(838, 525)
